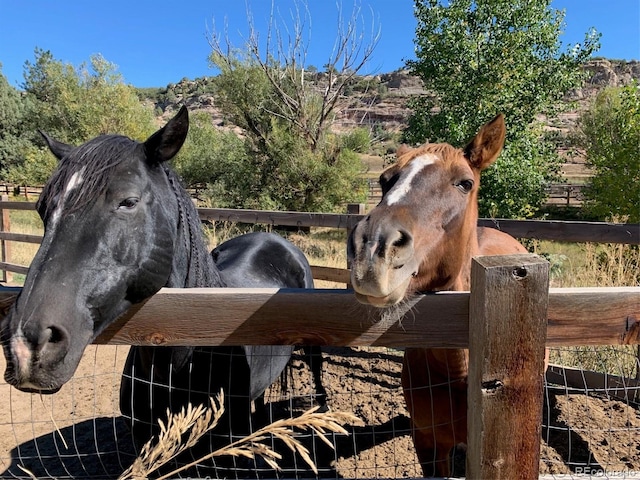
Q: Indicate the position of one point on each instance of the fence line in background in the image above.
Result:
(566, 231)
(567, 194)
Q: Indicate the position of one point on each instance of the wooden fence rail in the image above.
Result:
(576, 316)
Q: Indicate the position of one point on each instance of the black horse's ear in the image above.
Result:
(166, 142)
(59, 149)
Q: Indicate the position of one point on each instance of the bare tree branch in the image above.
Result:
(307, 102)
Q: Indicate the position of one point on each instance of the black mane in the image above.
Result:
(202, 271)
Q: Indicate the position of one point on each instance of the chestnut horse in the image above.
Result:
(421, 238)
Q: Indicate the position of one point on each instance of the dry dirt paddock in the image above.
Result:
(78, 433)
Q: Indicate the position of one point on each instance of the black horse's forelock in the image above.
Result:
(98, 157)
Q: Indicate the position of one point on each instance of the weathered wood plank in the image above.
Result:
(579, 380)
(594, 316)
(567, 231)
(20, 237)
(275, 317)
(18, 205)
(12, 267)
(577, 316)
(295, 219)
(331, 274)
(507, 329)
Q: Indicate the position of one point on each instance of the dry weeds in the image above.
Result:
(184, 429)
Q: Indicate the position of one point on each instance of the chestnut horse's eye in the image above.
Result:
(465, 185)
(388, 181)
(128, 203)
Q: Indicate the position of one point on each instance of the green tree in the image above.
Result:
(12, 113)
(76, 104)
(610, 136)
(73, 105)
(293, 160)
(213, 157)
(482, 57)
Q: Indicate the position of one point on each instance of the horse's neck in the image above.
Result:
(453, 363)
(442, 364)
(470, 249)
(456, 360)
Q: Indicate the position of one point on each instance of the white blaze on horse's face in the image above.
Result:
(403, 186)
(75, 181)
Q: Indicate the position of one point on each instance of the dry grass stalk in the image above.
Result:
(55, 425)
(200, 420)
(192, 421)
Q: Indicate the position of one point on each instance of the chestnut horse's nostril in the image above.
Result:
(404, 239)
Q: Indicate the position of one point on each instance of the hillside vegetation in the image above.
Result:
(379, 102)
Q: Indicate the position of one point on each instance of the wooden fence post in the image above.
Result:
(507, 334)
(5, 248)
(353, 209)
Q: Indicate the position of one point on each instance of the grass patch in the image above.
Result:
(590, 264)
(594, 265)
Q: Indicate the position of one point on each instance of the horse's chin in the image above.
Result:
(31, 385)
(31, 376)
(385, 301)
(39, 390)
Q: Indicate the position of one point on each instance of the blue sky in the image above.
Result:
(159, 42)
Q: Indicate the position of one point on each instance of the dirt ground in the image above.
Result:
(580, 430)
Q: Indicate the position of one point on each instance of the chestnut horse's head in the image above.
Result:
(423, 233)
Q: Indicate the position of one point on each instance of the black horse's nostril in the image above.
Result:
(53, 344)
(56, 335)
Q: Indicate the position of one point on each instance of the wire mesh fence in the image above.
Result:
(80, 432)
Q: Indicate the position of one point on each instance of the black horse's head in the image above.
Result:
(112, 238)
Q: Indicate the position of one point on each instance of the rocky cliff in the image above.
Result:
(384, 101)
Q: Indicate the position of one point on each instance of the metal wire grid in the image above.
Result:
(79, 433)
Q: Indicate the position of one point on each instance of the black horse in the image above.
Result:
(118, 227)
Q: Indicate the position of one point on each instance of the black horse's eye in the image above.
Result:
(465, 185)
(128, 203)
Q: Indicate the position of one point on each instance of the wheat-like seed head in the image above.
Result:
(197, 421)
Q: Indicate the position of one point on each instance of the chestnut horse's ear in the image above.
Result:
(59, 149)
(485, 147)
(402, 149)
(166, 142)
